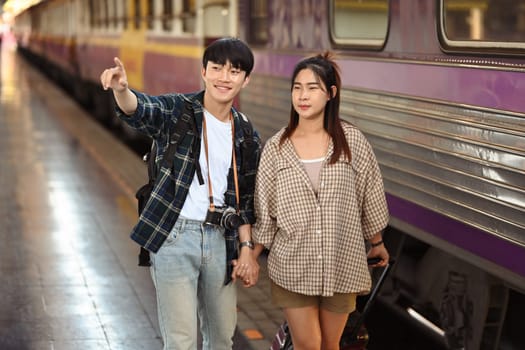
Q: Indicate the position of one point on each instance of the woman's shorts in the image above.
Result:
(343, 303)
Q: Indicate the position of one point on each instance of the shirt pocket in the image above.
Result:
(338, 184)
(342, 171)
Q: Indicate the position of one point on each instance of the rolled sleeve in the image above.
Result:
(374, 208)
(265, 195)
(153, 114)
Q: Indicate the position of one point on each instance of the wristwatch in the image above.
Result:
(248, 244)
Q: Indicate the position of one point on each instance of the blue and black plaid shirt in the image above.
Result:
(156, 117)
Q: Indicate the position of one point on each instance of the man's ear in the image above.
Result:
(246, 81)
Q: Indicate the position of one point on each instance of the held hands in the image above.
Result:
(246, 268)
(115, 78)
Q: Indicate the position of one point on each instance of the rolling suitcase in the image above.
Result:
(355, 335)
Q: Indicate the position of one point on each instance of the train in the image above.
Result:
(436, 86)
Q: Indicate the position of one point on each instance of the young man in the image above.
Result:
(184, 225)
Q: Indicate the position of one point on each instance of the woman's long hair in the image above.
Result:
(326, 71)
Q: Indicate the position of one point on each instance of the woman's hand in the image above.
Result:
(381, 252)
(246, 268)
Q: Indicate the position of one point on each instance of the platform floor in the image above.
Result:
(69, 271)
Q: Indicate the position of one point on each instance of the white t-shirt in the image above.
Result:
(220, 157)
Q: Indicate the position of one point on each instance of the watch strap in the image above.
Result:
(248, 244)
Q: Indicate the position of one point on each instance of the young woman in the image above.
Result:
(319, 202)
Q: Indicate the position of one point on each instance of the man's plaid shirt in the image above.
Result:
(156, 116)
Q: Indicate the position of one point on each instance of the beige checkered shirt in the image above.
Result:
(317, 243)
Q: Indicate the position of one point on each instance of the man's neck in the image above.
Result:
(220, 111)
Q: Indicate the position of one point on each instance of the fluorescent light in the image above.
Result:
(416, 315)
(15, 7)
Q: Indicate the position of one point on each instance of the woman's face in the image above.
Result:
(309, 95)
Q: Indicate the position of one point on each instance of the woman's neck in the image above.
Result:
(309, 127)
(310, 140)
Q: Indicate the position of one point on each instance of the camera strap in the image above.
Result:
(234, 164)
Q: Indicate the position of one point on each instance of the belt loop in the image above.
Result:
(179, 224)
(185, 222)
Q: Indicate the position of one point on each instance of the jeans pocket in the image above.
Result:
(172, 238)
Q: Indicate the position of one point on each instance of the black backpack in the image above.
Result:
(181, 128)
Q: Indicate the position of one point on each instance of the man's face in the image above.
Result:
(223, 82)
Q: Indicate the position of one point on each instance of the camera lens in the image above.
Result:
(231, 221)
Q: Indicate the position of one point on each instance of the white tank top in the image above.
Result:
(220, 157)
(313, 169)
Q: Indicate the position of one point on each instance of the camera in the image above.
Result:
(226, 217)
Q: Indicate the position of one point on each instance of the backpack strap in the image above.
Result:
(182, 125)
(150, 159)
(247, 144)
(247, 128)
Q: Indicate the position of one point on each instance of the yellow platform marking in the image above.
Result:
(126, 208)
(253, 334)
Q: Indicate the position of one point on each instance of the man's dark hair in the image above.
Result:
(229, 49)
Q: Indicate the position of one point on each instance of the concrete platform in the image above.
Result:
(70, 278)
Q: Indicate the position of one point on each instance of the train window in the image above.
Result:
(483, 23)
(91, 8)
(83, 24)
(105, 13)
(94, 13)
(137, 14)
(97, 14)
(216, 19)
(359, 22)
(167, 15)
(188, 16)
(258, 31)
(112, 13)
(150, 14)
(124, 13)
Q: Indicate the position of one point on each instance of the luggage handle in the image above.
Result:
(372, 295)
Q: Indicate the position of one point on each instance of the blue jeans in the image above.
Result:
(188, 273)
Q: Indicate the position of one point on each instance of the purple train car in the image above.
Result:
(438, 88)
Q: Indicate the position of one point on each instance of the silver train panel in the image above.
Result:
(463, 162)
(267, 101)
